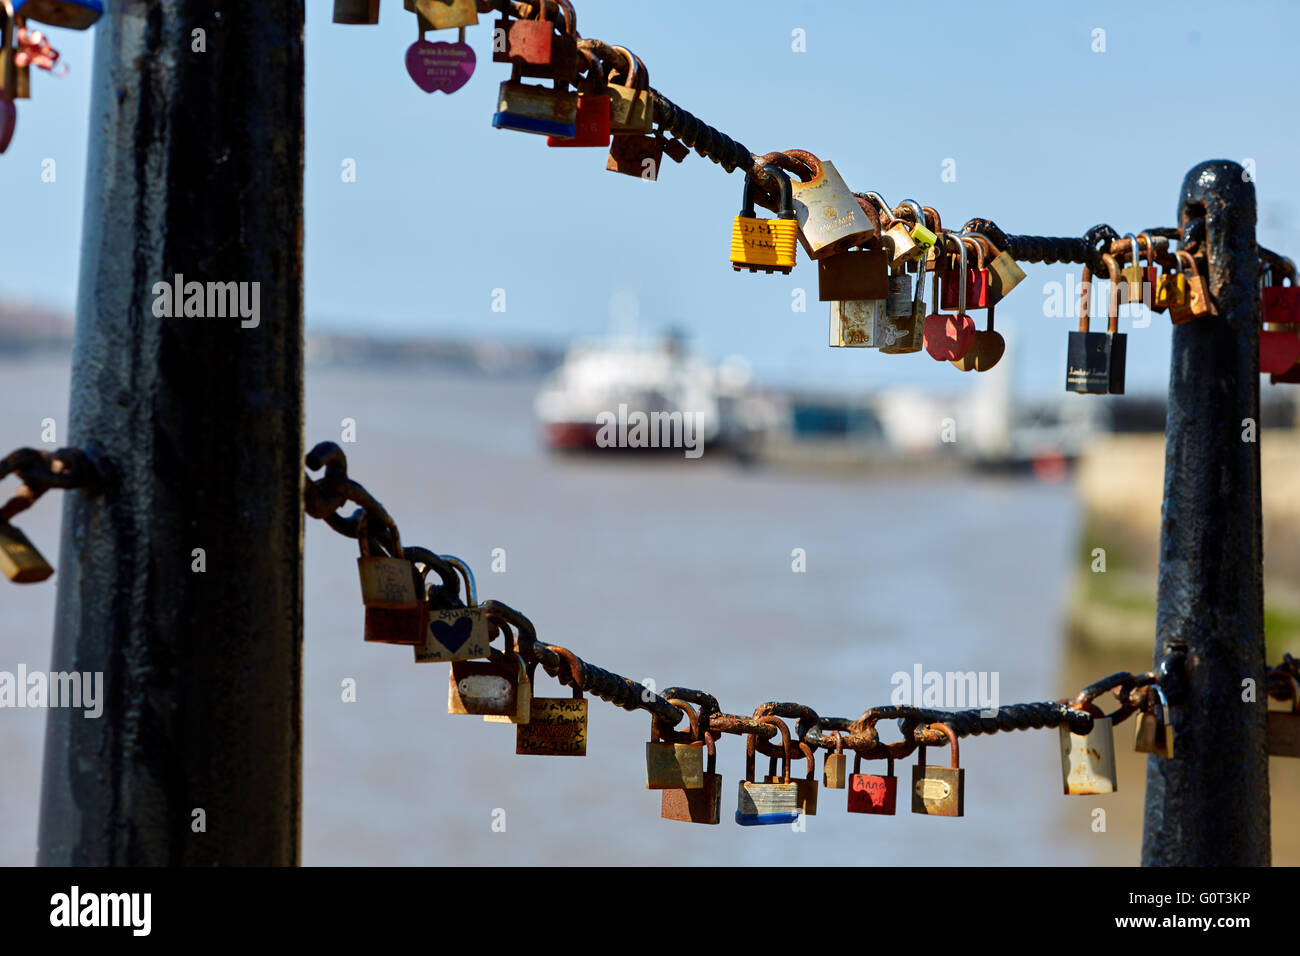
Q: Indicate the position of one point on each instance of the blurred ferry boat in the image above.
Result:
(612, 379)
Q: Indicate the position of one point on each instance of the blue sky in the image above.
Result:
(1048, 137)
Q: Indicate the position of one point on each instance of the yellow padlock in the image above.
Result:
(766, 245)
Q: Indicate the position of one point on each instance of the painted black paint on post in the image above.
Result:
(1209, 805)
(195, 168)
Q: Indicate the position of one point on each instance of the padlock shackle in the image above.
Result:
(779, 724)
(634, 74)
(471, 590)
(811, 756)
(785, 210)
(952, 744)
(809, 160)
(657, 730)
(916, 210)
(363, 534)
(1112, 300)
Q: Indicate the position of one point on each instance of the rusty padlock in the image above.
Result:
(1199, 304)
(1284, 726)
(1155, 732)
(391, 590)
(557, 726)
(671, 765)
(701, 804)
(1088, 760)
(545, 45)
(767, 803)
(939, 791)
(638, 156)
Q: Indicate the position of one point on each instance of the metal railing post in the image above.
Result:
(181, 581)
(1209, 805)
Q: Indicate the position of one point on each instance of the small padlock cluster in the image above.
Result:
(445, 622)
(22, 48)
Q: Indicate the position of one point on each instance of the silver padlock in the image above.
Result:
(1088, 760)
(830, 219)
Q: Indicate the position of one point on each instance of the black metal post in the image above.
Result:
(1209, 805)
(195, 169)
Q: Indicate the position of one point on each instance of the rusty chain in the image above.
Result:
(42, 470)
(324, 496)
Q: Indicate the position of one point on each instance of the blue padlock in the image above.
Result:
(537, 109)
(766, 804)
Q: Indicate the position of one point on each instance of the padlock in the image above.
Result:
(696, 805)
(830, 219)
(1284, 726)
(1088, 760)
(896, 236)
(670, 765)
(20, 562)
(496, 688)
(457, 633)
(396, 611)
(805, 787)
(69, 14)
(765, 804)
(834, 767)
(766, 245)
(1004, 273)
(939, 791)
(1199, 304)
(897, 329)
(1135, 278)
(1095, 360)
(975, 281)
(591, 122)
(1280, 304)
(536, 109)
(1171, 293)
(922, 235)
(539, 46)
(1155, 732)
(857, 323)
(631, 104)
(356, 12)
(557, 726)
(899, 300)
(872, 793)
(949, 337)
(986, 349)
(856, 274)
(909, 335)
(638, 156)
(446, 14)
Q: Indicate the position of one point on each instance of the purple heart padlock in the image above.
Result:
(440, 66)
(8, 119)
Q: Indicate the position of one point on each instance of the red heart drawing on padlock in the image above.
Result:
(440, 66)
(8, 120)
(1278, 351)
(948, 337)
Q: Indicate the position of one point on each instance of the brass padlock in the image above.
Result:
(20, 562)
(1004, 273)
(910, 335)
(670, 765)
(445, 14)
(986, 348)
(701, 804)
(396, 611)
(835, 767)
(939, 791)
(557, 726)
(830, 219)
(497, 689)
(1199, 304)
(455, 633)
(1088, 760)
(1171, 292)
(356, 12)
(1155, 732)
(631, 104)
(767, 803)
(1284, 726)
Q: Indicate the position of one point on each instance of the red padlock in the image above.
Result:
(949, 337)
(1279, 339)
(872, 793)
(543, 46)
(592, 123)
(975, 284)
